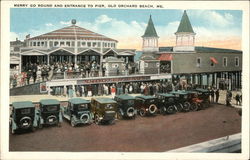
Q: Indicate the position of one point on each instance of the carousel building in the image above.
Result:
(71, 44)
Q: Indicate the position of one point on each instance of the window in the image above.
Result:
(99, 44)
(38, 43)
(68, 44)
(83, 44)
(94, 44)
(212, 64)
(224, 61)
(198, 62)
(42, 43)
(34, 43)
(108, 44)
(89, 44)
(237, 64)
(56, 44)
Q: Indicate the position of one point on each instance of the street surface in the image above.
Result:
(144, 134)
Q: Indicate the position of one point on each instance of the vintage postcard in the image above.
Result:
(124, 80)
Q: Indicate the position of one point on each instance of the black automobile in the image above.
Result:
(181, 99)
(104, 110)
(24, 116)
(126, 107)
(146, 105)
(166, 103)
(78, 111)
(50, 113)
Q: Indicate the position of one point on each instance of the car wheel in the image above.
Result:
(186, 106)
(163, 110)
(130, 111)
(194, 107)
(142, 112)
(97, 119)
(72, 122)
(171, 110)
(179, 107)
(152, 109)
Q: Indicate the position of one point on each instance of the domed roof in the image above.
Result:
(71, 33)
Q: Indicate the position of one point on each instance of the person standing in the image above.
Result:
(113, 91)
(237, 98)
(34, 71)
(212, 95)
(29, 74)
(217, 95)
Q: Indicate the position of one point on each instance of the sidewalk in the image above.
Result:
(37, 98)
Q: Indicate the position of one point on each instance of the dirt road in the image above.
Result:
(155, 134)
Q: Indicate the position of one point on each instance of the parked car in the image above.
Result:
(50, 113)
(203, 94)
(181, 99)
(126, 107)
(195, 102)
(146, 105)
(104, 110)
(24, 116)
(166, 103)
(78, 111)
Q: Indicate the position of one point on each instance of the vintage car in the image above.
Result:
(195, 102)
(24, 116)
(126, 107)
(203, 94)
(104, 110)
(50, 113)
(146, 105)
(166, 103)
(181, 99)
(78, 111)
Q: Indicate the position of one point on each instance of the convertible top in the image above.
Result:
(23, 104)
(125, 97)
(166, 94)
(105, 100)
(78, 101)
(49, 102)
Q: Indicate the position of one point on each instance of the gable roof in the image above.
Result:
(73, 32)
(185, 25)
(150, 30)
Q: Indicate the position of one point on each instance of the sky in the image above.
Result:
(213, 28)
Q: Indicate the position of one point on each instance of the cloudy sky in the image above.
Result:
(213, 28)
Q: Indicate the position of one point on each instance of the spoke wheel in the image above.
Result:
(171, 110)
(97, 119)
(186, 106)
(194, 107)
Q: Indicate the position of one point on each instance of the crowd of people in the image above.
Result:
(33, 72)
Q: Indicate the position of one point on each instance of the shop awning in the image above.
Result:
(166, 57)
(213, 60)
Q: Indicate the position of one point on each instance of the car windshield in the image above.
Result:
(82, 107)
(25, 111)
(51, 108)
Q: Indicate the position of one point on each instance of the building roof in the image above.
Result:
(185, 25)
(150, 30)
(49, 102)
(105, 100)
(23, 104)
(203, 50)
(78, 101)
(125, 97)
(71, 33)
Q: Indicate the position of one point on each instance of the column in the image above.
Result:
(75, 59)
(48, 59)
